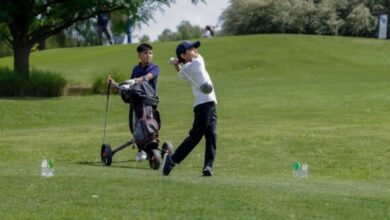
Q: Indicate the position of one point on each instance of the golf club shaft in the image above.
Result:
(186, 74)
(105, 115)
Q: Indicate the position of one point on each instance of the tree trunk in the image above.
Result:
(21, 60)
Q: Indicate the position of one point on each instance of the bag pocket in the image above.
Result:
(145, 129)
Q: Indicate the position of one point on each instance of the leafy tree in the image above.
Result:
(329, 17)
(32, 21)
(360, 21)
(4, 50)
(144, 39)
(293, 16)
(248, 17)
(168, 35)
(268, 16)
(187, 31)
(82, 33)
(4, 46)
(184, 31)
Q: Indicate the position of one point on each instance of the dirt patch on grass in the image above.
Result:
(78, 89)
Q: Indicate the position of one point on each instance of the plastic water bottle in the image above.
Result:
(47, 168)
(304, 170)
(50, 167)
(301, 170)
(297, 169)
(44, 168)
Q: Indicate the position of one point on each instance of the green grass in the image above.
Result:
(282, 98)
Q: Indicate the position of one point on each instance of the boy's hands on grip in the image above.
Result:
(112, 82)
(173, 61)
(130, 82)
(126, 84)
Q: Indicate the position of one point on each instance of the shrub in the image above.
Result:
(10, 84)
(100, 84)
(327, 17)
(40, 84)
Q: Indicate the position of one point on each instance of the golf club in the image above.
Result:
(205, 87)
(105, 114)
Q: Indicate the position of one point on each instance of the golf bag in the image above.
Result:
(144, 119)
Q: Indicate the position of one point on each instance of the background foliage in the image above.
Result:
(185, 31)
(41, 84)
(23, 24)
(325, 17)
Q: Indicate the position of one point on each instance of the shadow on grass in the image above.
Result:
(114, 164)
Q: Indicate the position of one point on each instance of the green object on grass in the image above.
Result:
(50, 163)
(297, 165)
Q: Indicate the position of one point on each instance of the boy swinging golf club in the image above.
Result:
(190, 65)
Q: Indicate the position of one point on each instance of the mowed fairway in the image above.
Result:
(282, 98)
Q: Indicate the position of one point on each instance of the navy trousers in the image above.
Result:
(205, 124)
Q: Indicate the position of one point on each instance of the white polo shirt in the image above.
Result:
(195, 72)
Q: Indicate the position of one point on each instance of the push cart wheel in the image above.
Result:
(106, 154)
(167, 147)
(155, 159)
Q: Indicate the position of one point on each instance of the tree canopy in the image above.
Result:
(184, 31)
(26, 22)
(328, 17)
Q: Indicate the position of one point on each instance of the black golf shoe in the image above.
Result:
(168, 164)
(207, 171)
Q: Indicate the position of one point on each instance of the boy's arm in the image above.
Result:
(146, 78)
(175, 63)
(111, 81)
(153, 73)
(177, 67)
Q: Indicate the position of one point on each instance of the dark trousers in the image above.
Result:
(205, 124)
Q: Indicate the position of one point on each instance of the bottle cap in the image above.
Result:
(297, 165)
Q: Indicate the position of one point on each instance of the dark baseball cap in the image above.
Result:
(185, 45)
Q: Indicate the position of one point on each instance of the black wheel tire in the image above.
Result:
(155, 159)
(106, 154)
(167, 147)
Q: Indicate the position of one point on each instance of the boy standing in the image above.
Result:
(103, 26)
(146, 71)
(191, 67)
